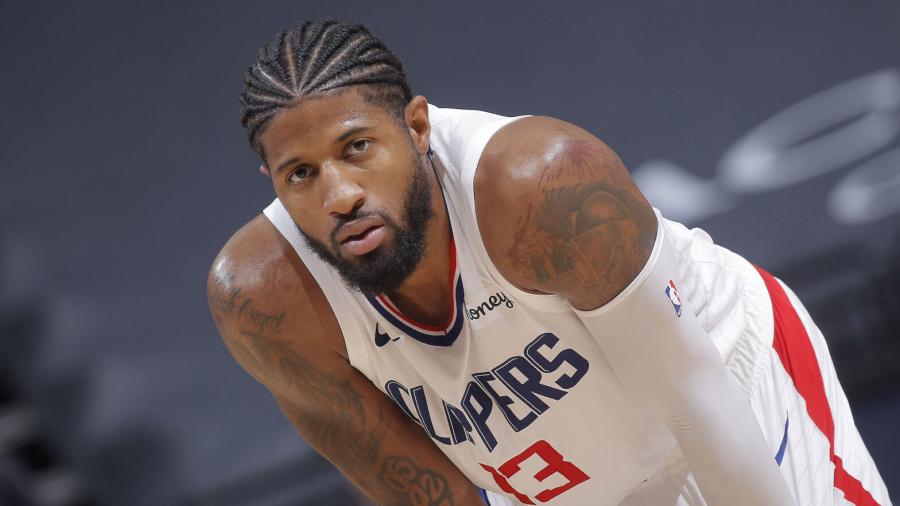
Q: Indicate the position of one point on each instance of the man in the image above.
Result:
(458, 308)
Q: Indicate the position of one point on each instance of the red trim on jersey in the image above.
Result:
(452, 298)
(798, 357)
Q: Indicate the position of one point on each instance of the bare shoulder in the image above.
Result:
(267, 306)
(559, 213)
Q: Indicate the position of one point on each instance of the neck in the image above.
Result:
(425, 296)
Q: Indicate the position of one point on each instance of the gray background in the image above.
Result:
(124, 169)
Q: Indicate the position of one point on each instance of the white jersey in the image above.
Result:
(513, 389)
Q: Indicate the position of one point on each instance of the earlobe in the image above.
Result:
(416, 116)
(265, 171)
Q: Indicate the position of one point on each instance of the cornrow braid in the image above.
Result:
(316, 57)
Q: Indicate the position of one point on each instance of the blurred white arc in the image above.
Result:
(824, 132)
(869, 192)
(679, 194)
(832, 129)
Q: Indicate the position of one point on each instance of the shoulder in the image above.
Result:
(266, 305)
(255, 255)
(559, 212)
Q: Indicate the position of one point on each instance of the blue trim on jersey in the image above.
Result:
(483, 495)
(447, 338)
(780, 455)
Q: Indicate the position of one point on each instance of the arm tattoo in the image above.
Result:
(264, 350)
(341, 429)
(589, 234)
(420, 486)
(228, 303)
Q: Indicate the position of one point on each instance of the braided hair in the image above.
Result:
(314, 58)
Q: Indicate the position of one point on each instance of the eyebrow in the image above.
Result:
(350, 132)
(340, 138)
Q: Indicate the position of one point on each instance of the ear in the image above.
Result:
(265, 171)
(416, 116)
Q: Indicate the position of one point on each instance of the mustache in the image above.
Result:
(355, 215)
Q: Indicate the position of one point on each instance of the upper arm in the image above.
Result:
(280, 328)
(262, 301)
(580, 226)
(583, 230)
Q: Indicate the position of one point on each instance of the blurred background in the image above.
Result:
(123, 169)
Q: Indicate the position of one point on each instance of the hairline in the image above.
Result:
(365, 91)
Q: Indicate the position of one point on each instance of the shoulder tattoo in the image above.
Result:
(590, 231)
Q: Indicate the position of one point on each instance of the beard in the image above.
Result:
(384, 269)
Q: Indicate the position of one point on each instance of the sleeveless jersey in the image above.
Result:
(513, 389)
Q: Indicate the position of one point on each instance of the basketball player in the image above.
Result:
(460, 308)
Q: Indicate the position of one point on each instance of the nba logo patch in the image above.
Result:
(672, 294)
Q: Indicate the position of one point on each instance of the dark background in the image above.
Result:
(124, 169)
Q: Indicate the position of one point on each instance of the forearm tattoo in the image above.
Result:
(420, 486)
(342, 429)
(340, 405)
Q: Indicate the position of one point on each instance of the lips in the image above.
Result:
(361, 236)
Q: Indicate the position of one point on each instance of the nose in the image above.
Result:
(342, 193)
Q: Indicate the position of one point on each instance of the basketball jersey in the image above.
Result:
(513, 388)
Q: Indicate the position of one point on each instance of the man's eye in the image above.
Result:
(298, 175)
(358, 146)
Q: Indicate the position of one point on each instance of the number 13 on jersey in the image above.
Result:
(555, 464)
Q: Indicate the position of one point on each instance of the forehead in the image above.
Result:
(319, 120)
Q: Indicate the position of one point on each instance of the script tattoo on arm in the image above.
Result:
(227, 305)
(590, 231)
(340, 426)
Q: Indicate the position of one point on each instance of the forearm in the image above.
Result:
(383, 453)
(719, 435)
(666, 361)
